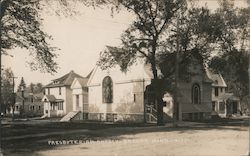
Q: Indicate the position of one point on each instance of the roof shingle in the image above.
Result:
(65, 80)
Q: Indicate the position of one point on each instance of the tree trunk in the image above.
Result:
(157, 85)
(158, 89)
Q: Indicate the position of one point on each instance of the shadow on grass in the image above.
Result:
(30, 144)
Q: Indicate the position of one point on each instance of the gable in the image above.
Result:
(76, 84)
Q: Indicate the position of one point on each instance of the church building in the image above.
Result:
(118, 96)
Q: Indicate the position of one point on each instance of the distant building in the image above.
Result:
(58, 98)
(223, 104)
(33, 105)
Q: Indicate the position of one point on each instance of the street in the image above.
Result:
(84, 139)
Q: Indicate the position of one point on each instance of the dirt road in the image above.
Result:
(219, 140)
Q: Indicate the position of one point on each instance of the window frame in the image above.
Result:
(60, 91)
(196, 100)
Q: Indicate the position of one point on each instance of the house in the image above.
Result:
(119, 96)
(58, 98)
(224, 104)
(32, 104)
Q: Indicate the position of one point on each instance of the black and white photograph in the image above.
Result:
(125, 78)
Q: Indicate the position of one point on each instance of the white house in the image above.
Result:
(223, 104)
(58, 99)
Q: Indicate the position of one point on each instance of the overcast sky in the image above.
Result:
(80, 39)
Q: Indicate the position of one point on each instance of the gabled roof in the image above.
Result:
(37, 96)
(50, 98)
(83, 81)
(80, 83)
(65, 80)
(217, 78)
(88, 76)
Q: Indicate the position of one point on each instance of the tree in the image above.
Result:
(32, 87)
(144, 39)
(35, 88)
(38, 88)
(21, 26)
(234, 68)
(7, 87)
(232, 60)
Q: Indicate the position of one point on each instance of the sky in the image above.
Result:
(80, 39)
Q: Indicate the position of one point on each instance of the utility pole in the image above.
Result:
(176, 104)
(248, 43)
(1, 83)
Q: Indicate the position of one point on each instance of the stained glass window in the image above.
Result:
(107, 90)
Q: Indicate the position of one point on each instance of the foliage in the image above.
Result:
(7, 89)
(21, 26)
(34, 88)
(234, 68)
(233, 58)
(145, 36)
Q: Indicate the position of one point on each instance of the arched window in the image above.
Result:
(196, 94)
(107, 90)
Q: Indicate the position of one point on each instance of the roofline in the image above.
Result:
(56, 85)
(91, 76)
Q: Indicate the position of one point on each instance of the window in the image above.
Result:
(17, 108)
(196, 94)
(107, 90)
(77, 100)
(39, 107)
(134, 97)
(60, 91)
(221, 90)
(32, 107)
(60, 106)
(48, 91)
(216, 91)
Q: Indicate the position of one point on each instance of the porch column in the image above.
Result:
(225, 109)
(49, 109)
(81, 102)
(74, 102)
